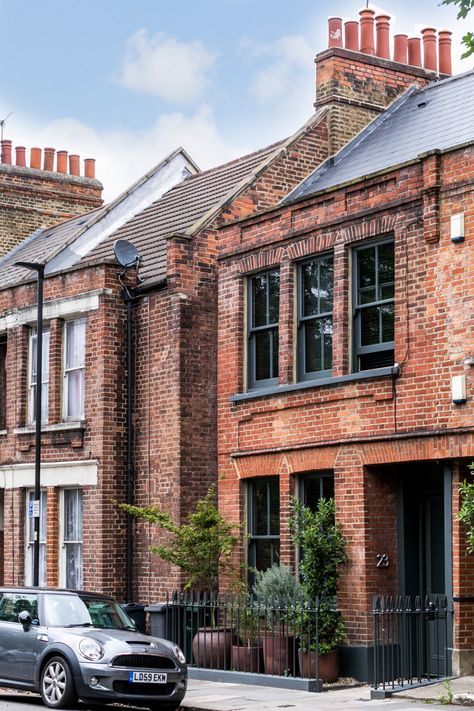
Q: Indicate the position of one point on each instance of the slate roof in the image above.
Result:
(179, 210)
(439, 116)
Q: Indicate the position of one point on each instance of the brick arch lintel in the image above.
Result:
(262, 260)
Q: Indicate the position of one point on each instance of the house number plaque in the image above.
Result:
(383, 561)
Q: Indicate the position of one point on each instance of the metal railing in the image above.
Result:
(410, 640)
(240, 633)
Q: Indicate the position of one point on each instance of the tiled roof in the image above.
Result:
(178, 210)
(439, 116)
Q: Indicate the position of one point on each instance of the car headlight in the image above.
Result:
(90, 649)
(178, 653)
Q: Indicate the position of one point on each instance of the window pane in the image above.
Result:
(313, 360)
(326, 285)
(73, 515)
(262, 355)
(326, 327)
(369, 330)
(316, 487)
(366, 261)
(266, 554)
(274, 336)
(387, 323)
(75, 379)
(274, 296)
(75, 344)
(74, 566)
(386, 263)
(260, 508)
(309, 276)
(259, 300)
(274, 501)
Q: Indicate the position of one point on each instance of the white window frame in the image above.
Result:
(68, 370)
(29, 538)
(32, 384)
(63, 543)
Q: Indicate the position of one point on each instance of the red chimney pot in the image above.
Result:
(48, 163)
(400, 48)
(429, 48)
(414, 51)
(35, 158)
(6, 151)
(367, 31)
(61, 161)
(444, 45)
(351, 35)
(383, 36)
(74, 165)
(20, 152)
(335, 32)
(89, 168)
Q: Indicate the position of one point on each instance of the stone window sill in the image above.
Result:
(60, 427)
(3, 433)
(392, 371)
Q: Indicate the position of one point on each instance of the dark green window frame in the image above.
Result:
(374, 305)
(263, 315)
(315, 324)
(314, 486)
(263, 523)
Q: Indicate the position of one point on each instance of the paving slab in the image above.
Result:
(458, 691)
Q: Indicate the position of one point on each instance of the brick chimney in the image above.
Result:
(357, 78)
(41, 192)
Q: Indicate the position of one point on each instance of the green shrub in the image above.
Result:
(466, 512)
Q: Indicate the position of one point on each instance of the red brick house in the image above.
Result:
(171, 215)
(346, 340)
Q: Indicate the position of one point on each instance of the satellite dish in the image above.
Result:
(126, 253)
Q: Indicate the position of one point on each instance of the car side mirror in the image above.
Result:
(24, 618)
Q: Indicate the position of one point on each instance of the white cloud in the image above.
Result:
(165, 67)
(123, 156)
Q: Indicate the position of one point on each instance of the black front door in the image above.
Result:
(424, 555)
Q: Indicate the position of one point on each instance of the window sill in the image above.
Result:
(60, 427)
(391, 371)
(3, 433)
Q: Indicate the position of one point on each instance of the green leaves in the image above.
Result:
(464, 8)
(201, 547)
(466, 512)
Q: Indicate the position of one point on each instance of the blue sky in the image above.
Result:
(127, 82)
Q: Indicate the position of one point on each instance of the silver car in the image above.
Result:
(68, 645)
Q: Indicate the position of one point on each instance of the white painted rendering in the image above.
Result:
(146, 191)
(79, 473)
(71, 307)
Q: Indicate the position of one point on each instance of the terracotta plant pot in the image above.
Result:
(328, 666)
(278, 655)
(247, 659)
(212, 647)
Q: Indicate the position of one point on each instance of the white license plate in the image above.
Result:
(148, 677)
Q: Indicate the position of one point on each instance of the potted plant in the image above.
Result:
(277, 592)
(323, 552)
(247, 651)
(202, 548)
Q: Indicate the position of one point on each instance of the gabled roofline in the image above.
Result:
(210, 215)
(103, 212)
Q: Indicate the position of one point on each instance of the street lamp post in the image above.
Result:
(39, 269)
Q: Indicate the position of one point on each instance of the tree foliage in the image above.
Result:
(464, 8)
(466, 512)
(201, 547)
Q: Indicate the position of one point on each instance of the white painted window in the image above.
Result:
(32, 377)
(71, 539)
(30, 537)
(74, 366)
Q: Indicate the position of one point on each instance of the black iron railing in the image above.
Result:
(411, 637)
(240, 633)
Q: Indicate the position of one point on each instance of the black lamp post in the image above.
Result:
(39, 269)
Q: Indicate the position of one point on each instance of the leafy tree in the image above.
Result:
(201, 547)
(464, 8)
(466, 512)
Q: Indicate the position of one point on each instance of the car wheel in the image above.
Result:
(57, 685)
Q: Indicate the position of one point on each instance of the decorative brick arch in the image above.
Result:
(261, 260)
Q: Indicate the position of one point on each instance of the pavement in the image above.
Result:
(223, 696)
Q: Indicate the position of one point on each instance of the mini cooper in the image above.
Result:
(67, 645)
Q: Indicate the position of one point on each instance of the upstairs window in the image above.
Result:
(74, 366)
(32, 377)
(3, 382)
(315, 292)
(374, 283)
(263, 313)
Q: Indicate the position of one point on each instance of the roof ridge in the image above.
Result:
(240, 159)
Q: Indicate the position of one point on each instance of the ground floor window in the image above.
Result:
(263, 523)
(71, 539)
(316, 486)
(30, 538)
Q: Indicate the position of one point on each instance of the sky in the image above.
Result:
(128, 82)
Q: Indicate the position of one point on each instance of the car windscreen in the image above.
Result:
(84, 611)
